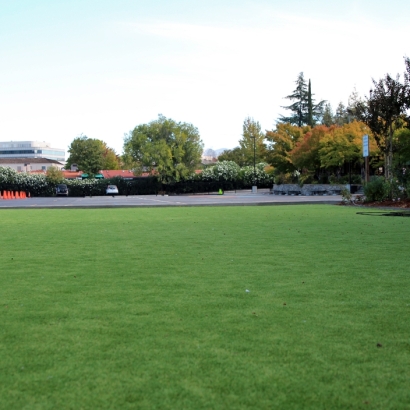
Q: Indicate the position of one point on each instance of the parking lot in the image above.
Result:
(263, 197)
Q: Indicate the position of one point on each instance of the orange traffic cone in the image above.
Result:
(23, 195)
(17, 195)
(7, 195)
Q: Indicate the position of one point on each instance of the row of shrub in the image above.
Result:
(226, 175)
(380, 189)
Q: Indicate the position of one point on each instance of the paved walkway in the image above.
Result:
(240, 198)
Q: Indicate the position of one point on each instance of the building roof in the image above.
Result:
(23, 160)
(112, 173)
(72, 174)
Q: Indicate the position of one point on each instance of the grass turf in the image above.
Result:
(148, 308)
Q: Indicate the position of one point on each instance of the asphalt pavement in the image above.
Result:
(239, 198)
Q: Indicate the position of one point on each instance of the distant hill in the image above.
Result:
(214, 152)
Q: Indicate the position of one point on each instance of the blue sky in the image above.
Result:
(102, 67)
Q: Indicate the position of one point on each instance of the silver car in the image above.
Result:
(112, 190)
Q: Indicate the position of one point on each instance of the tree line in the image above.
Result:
(311, 143)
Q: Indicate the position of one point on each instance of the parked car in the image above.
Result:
(62, 189)
(112, 190)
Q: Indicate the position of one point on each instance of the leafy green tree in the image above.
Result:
(252, 142)
(383, 112)
(87, 153)
(170, 149)
(110, 159)
(304, 110)
(401, 139)
(236, 155)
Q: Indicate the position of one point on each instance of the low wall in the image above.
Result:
(308, 189)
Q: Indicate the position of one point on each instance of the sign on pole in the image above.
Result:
(365, 145)
(366, 155)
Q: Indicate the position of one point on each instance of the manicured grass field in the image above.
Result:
(204, 308)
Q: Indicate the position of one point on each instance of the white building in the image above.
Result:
(30, 164)
(31, 149)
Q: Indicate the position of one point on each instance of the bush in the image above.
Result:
(263, 178)
(346, 195)
(226, 171)
(377, 189)
(287, 178)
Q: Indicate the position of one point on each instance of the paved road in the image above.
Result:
(229, 198)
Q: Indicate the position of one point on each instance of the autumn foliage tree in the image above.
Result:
(281, 142)
(341, 145)
(319, 151)
(305, 155)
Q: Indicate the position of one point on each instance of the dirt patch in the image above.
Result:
(402, 204)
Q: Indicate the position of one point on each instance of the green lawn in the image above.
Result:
(149, 308)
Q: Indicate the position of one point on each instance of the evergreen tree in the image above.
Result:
(310, 106)
(298, 108)
(304, 110)
(341, 116)
(352, 102)
(407, 88)
(327, 118)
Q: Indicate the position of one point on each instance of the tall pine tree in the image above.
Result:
(298, 108)
(304, 110)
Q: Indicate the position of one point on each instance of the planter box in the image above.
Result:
(308, 189)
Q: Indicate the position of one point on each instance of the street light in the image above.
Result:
(254, 187)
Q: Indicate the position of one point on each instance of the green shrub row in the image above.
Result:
(225, 175)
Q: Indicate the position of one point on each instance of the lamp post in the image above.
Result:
(254, 187)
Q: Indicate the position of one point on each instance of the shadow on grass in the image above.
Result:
(403, 213)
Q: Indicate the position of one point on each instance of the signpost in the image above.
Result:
(366, 156)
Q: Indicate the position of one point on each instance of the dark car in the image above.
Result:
(62, 189)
